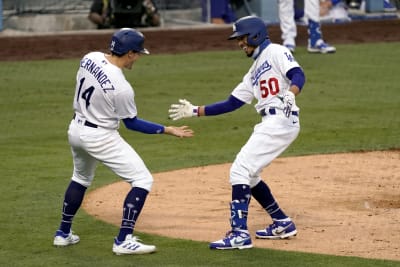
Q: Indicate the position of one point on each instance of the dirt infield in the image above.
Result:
(343, 204)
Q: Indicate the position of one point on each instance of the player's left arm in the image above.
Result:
(297, 78)
(148, 127)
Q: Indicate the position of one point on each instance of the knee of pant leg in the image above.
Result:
(238, 176)
(243, 178)
(85, 181)
(254, 181)
(144, 182)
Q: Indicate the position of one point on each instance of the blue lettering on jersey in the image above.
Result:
(255, 75)
(97, 73)
(289, 57)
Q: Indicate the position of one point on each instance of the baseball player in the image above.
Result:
(273, 80)
(289, 30)
(103, 97)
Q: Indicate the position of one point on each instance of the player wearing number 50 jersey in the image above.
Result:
(273, 81)
(103, 97)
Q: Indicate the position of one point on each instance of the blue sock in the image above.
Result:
(133, 205)
(72, 201)
(241, 192)
(241, 196)
(263, 195)
(314, 31)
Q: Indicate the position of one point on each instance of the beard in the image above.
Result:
(249, 52)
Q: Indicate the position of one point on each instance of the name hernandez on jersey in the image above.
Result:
(97, 72)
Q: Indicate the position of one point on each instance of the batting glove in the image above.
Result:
(288, 102)
(183, 110)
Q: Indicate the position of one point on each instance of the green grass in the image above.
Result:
(350, 103)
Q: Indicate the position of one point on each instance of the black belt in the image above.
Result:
(87, 123)
(272, 111)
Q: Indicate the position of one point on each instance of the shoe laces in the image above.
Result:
(233, 233)
(275, 225)
(272, 226)
(229, 233)
(133, 238)
(322, 44)
(66, 235)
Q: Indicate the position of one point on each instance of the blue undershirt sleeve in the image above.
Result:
(228, 105)
(296, 75)
(143, 126)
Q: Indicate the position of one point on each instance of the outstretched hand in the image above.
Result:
(184, 109)
(181, 131)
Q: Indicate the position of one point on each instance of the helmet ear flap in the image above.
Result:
(254, 39)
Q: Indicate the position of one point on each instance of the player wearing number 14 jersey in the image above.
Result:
(273, 81)
(103, 98)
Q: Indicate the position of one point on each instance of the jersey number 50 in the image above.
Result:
(270, 87)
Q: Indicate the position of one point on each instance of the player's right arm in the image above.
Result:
(241, 95)
(185, 109)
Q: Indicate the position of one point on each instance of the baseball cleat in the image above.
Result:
(279, 229)
(239, 239)
(131, 245)
(62, 239)
(321, 47)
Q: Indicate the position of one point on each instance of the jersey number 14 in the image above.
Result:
(86, 94)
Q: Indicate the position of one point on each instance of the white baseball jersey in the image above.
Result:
(266, 81)
(103, 96)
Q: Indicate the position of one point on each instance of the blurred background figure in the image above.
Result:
(316, 43)
(124, 13)
(329, 11)
(388, 5)
(333, 11)
(218, 11)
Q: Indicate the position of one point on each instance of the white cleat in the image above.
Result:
(62, 240)
(131, 245)
(321, 47)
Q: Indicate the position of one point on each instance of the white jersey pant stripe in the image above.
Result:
(269, 139)
(92, 145)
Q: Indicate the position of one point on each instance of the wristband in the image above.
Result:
(196, 111)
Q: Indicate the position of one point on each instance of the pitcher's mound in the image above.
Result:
(342, 204)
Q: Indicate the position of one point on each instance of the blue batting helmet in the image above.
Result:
(253, 27)
(127, 39)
